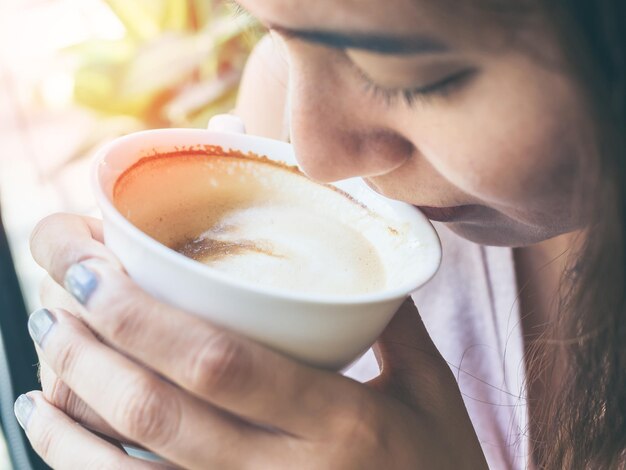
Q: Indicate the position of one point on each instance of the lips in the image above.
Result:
(447, 214)
(440, 214)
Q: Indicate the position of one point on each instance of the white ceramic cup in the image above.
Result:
(324, 331)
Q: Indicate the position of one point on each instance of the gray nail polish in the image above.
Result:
(23, 409)
(80, 282)
(40, 323)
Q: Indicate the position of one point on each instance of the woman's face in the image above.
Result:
(478, 126)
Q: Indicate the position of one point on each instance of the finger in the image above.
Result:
(139, 405)
(411, 366)
(58, 394)
(55, 390)
(60, 240)
(52, 295)
(229, 371)
(64, 444)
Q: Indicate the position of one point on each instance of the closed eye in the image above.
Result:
(439, 89)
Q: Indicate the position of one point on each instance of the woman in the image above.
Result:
(503, 120)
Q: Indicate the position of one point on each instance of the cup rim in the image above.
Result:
(110, 211)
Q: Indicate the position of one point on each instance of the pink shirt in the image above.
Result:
(471, 311)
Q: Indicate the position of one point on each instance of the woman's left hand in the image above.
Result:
(201, 397)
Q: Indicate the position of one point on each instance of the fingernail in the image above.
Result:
(40, 323)
(23, 409)
(80, 282)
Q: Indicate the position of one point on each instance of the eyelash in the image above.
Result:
(412, 96)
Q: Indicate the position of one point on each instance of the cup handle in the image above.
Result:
(226, 123)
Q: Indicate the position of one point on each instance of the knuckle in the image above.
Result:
(63, 255)
(66, 358)
(219, 364)
(149, 414)
(62, 397)
(359, 422)
(42, 227)
(53, 257)
(56, 392)
(124, 317)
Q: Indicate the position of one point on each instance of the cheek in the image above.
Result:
(513, 167)
(514, 147)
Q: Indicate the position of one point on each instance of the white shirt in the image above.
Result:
(471, 311)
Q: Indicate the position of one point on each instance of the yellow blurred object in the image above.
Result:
(179, 63)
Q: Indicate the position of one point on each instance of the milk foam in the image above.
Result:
(299, 250)
(257, 222)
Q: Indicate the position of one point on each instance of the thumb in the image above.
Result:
(412, 368)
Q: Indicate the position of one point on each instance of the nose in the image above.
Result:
(334, 135)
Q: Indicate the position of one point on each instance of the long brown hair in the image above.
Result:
(587, 423)
(584, 422)
(583, 425)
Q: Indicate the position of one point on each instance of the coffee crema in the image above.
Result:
(255, 219)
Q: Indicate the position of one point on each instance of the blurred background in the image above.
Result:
(74, 74)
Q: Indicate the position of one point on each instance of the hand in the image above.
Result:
(130, 367)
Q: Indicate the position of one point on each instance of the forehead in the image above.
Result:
(397, 16)
(463, 24)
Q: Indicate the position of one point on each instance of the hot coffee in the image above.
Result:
(257, 220)
(310, 271)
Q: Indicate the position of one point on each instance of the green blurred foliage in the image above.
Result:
(179, 63)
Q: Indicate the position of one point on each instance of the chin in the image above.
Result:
(488, 226)
(505, 232)
(495, 235)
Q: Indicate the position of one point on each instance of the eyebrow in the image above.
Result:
(378, 43)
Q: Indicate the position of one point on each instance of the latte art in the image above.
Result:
(207, 249)
(257, 221)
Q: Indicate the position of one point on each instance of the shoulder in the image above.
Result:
(262, 100)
